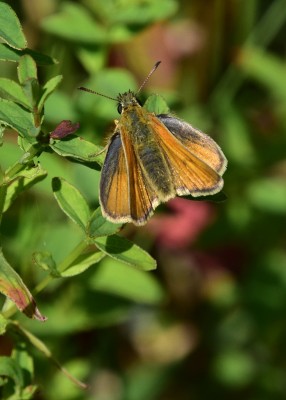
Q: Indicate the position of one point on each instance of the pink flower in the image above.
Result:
(182, 227)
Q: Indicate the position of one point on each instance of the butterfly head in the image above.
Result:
(125, 100)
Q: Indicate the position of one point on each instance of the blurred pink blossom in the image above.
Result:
(183, 225)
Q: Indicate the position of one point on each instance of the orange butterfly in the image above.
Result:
(153, 158)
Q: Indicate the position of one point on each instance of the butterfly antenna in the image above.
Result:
(148, 76)
(93, 92)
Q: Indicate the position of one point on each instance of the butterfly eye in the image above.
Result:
(119, 108)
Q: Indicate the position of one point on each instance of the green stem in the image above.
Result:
(3, 192)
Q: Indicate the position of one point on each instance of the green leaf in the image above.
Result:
(10, 28)
(27, 75)
(99, 226)
(143, 13)
(25, 145)
(16, 117)
(119, 33)
(71, 202)
(156, 104)
(78, 148)
(12, 286)
(116, 278)
(11, 369)
(74, 15)
(83, 263)
(265, 68)
(25, 361)
(234, 368)
(149, 380)
(27, 69)
(125, 251)
(268, 194)
(49, 88)
(237, 138)
(23, 181)
(8, 54)
(10, 90)
(92, 59)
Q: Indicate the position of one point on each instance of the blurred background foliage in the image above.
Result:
(210, 321)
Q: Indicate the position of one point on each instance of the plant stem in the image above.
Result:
(3, 192)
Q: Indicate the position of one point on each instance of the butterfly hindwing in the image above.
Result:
(200, 144)
(190, 174)
(114, 191)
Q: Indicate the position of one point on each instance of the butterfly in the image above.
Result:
(151, 159)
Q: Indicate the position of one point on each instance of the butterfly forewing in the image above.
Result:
(200, 144)
(114, 192)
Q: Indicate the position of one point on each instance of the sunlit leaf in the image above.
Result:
(9, 54)
(265, 68)
(156, 104)
(268, 194)
(10, 28)
(234, 368)
(125, 251)
(71, 202)
(27, 69)
(18, 118)
(144, 12)
(83, 263)
(79, 149)
(48, 89)
(11, 369)
(99, 226)
(71, 14)
(11, 90)
(23, 181)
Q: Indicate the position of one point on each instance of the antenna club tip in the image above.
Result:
(157, 64)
